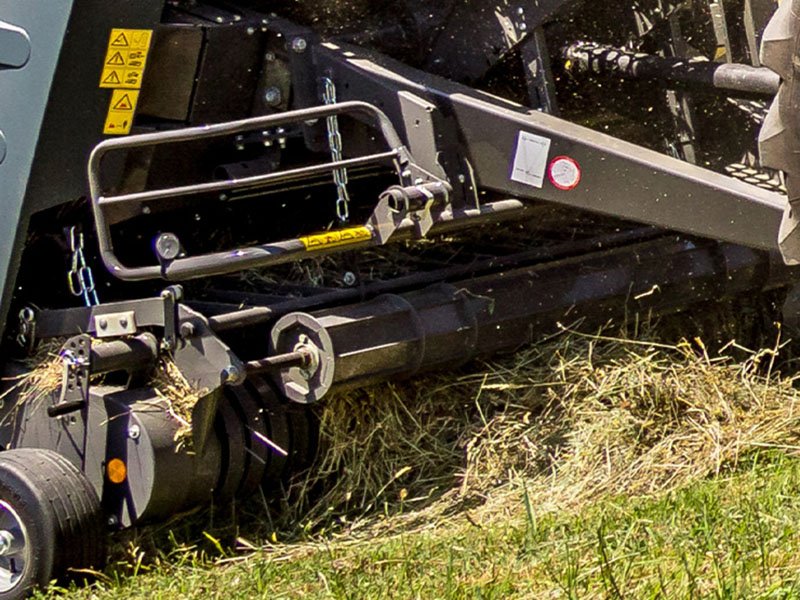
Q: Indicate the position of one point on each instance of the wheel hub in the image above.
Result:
(13, 547)
(6, 542)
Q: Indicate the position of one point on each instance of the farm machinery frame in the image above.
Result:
(541, 161)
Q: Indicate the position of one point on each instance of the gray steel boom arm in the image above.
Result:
(619, 178)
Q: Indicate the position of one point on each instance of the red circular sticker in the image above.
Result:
(565, 173)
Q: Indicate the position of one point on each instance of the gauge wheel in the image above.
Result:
(51, 522)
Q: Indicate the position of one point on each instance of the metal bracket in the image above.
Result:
(207, 363)
(74, 394)
(171, 296)
(115, 324)
(717, 8)
(417, 202)
(26, 334)
(305, 384)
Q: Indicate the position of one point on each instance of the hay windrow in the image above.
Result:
(571, 420)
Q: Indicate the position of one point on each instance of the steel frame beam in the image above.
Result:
(619, 179)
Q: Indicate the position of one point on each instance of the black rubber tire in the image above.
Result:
(779, 140)
(61, 513)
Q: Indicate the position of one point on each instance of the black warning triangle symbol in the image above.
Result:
(113, 78)
(121, 41)
(123, 103)
(117, 60)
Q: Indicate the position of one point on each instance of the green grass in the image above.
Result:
(734, 536)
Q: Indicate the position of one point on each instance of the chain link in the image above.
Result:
(80, 278)
(335, 142)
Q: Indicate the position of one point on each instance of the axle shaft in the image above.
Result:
(597, 59)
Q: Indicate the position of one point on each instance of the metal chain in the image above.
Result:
(80, 278)
(335, 142)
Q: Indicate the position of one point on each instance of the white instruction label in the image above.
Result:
(530, 160)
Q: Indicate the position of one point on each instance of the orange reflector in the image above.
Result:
(116, 470)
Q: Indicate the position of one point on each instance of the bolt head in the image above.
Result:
(232, 375)
(134, 432)
(103, 324)
(299, 45)
(168, 246)
(349, 279)
(273, 96)
(187, 330)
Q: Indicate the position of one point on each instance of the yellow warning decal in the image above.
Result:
(126, 58)
(121, 111)
(331, 239)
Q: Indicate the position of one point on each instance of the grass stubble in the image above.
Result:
(607, 464)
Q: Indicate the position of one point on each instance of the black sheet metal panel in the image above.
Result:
(617, 178)
(77, 107)
(477, 34)
(169, 86)
(163, 478)
(229, 71)
(73, 118)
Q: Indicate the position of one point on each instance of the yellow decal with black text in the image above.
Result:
(331, 239)
(123, 70)
(121, 111)
(126, 58)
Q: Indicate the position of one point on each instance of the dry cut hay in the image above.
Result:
(572, 419)
(179, 396)
(43, 378)
(169, 384)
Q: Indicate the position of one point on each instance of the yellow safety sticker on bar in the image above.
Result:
(120, 112)
(126, 58)
(331, 239)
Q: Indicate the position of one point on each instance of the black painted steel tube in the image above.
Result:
(258, 315)
(448, 324)
(135, 354)
(597, 59)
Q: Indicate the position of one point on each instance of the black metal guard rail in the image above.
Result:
(235, 260)
(247, 182)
